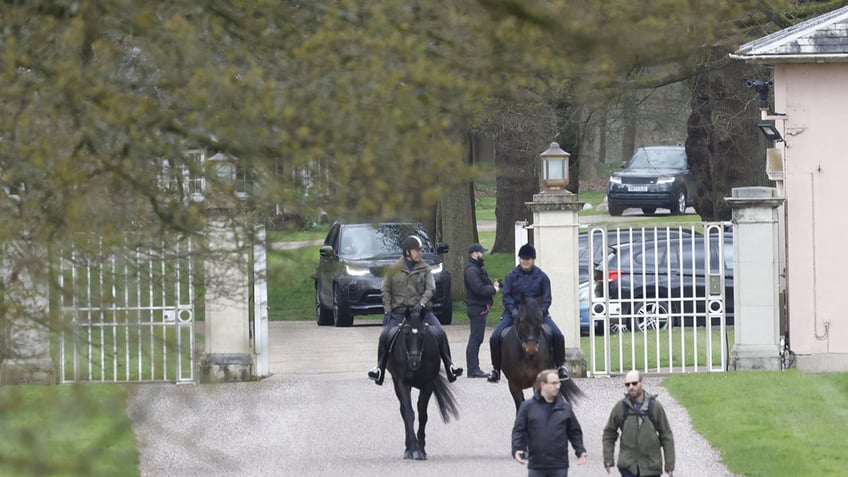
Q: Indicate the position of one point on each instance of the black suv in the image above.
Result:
(654, 177)
(353, 261)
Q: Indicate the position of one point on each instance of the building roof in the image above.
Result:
(821, 39)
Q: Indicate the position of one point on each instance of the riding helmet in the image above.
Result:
(527, 251)
(413, 242)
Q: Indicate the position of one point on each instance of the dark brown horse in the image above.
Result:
(526, 351)
(414, 362)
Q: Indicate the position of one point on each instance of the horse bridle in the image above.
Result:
(413, 357)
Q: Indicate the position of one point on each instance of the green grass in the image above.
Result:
(485, 208)
(770, 423)
(639, 350)
(66, 431)
(291, 290)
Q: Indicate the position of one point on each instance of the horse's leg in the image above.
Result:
(517, 393)
(404, 395)
(423, 403)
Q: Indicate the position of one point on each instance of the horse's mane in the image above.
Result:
(530, 307)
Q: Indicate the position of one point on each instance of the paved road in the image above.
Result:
(318, 415)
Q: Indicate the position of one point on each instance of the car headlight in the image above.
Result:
(615, 180)
(435, 269)
(355, 271)
(665, 180)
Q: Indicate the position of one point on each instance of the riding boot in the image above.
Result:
(559, 355)
(495, 375)
(444, 349)
(378, 374)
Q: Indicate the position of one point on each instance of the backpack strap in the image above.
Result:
(626, 411)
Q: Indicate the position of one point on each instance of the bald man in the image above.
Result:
(639, 422)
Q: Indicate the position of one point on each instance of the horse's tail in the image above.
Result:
(570, 391)
(445, 397)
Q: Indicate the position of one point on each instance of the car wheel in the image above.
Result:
(649, 210)
(615, 210)
(679, 207)
(446, 315)
(341, 316)
(323, 316)
(651, 315)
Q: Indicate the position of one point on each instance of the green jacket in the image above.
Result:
(641, 447)
(404, 288)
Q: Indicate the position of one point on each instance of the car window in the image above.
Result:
(369, 240)
(654, 158)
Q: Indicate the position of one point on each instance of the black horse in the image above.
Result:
(414, 362)
(526, 351)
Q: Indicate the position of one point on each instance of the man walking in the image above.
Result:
(544, 426)
(640, 422)
(479, 291)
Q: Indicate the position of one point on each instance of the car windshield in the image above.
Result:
(376, 240)
(658, 158)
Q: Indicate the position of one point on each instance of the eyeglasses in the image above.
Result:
(634, 383)
(555, 383)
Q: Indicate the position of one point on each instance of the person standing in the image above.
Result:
(639, 422)
(544, 426)
(479, 293)
(528, 280)
(408, 284)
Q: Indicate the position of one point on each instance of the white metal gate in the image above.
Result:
(661, 298)
(127, 311)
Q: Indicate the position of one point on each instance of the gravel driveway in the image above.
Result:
(318, 415)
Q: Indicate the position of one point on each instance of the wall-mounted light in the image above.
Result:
(770, 132)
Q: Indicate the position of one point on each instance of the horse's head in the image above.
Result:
(528, 325)
(412, 332)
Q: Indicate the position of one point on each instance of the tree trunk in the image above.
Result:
(723, 143)
(458, 223)
(517, 181)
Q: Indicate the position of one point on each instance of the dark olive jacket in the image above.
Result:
(641, 445)
(403, 288)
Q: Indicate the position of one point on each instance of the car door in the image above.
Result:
(328, 266)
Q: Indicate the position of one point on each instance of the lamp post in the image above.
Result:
(554, 167)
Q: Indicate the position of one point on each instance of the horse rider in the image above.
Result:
(409, 284)
(529, 280)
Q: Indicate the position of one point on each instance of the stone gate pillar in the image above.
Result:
(756, 272)
(555, 227)
(227, 353)
(25, 328)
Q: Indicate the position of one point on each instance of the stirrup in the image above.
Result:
(376, 374)
(562, 371)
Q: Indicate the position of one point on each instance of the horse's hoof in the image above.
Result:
(419, 455)
(407, 455)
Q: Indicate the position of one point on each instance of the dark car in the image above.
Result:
(655, 177)
(353, 261)
(663, 282)
(587, 255)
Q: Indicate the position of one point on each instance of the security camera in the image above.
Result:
(762, 88)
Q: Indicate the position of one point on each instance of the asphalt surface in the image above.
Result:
(319, 415)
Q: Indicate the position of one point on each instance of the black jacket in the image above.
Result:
(544, 430)
(479, 289)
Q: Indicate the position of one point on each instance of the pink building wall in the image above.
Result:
(815, 99)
